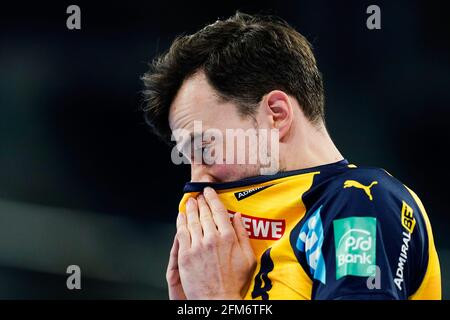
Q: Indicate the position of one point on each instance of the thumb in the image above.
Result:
(242, 233)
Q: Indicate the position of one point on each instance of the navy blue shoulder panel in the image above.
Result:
(363, 236)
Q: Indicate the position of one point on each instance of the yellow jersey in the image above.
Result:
(335, 231)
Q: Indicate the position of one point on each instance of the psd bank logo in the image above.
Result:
(355, 242)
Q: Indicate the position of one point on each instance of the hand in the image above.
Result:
(215, 258)
(173, 276)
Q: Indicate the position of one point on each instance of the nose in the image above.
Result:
(201, 173)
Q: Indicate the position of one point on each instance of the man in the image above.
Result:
(316, 227)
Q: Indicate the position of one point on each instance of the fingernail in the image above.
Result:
(208, 190)
(190, 202)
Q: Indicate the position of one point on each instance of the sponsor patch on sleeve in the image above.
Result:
(355, 243)
(408, 220)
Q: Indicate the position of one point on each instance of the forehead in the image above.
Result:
(196, 100)
(189, 102)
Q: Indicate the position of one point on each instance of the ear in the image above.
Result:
(278, 108)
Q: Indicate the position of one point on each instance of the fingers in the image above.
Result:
(219, 212)
(241, 232)
(244, 240)
(173, 258)
(193, 222)
(206, 218)
(183, 236)
(172, 275)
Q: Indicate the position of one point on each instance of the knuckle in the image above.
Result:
(169, 276)
(185, 259)
(228, 236)
(211, 242)
(195, 251)
(205, 217)
(181, 232)
(194, 225)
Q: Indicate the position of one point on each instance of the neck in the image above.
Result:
(315, 148)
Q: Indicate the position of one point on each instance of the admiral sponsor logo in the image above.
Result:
(247, 193)
(402, 260)
(262, 228)
(408, 222)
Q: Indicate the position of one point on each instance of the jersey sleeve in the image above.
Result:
(375, 242)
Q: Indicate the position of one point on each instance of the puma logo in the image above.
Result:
(356, 184)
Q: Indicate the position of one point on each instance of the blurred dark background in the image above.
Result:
(82, 179)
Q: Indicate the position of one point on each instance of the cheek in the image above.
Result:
(230, 172)
(222, 172)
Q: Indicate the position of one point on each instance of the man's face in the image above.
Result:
(196, 101)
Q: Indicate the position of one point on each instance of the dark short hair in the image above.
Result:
(243, 58)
